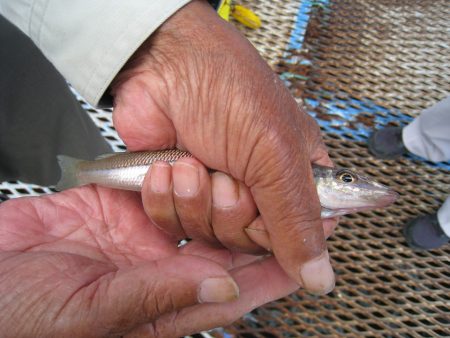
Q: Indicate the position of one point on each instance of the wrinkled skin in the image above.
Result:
(197, 84)
(88, 263)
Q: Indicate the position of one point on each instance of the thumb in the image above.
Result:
(282, 183)
(132, 297)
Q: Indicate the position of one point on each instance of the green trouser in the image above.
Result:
(39, 116)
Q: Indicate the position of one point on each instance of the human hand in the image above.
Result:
(197, 84)
(88, 263)
(222, 207)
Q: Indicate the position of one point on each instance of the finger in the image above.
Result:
(284, 190)
(257, 232)
(192, 197)
(149, 128)
(329, 225)
(320, 156)
(227, 259)
(121, 301)
(233, 209)
(259, 283)
(157, 199)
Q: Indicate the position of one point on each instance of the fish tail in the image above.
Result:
(69, 177)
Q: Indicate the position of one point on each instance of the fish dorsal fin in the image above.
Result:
(103, 156)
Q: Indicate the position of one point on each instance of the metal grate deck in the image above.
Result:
(363, 64)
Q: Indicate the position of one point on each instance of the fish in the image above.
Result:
(341, 191)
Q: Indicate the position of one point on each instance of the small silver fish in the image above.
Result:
(340, 191)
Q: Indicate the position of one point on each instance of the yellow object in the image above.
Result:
(246, 17)
(224, 9)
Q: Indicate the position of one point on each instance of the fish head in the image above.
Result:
(342, 191)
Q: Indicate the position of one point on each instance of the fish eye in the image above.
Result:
(345, 176)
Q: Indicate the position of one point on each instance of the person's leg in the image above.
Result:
(427, 136)
(387, 143)
(429, 231)
(39, 116)
(443, 216)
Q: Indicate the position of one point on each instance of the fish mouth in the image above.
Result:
(381, 200)
(387, 199)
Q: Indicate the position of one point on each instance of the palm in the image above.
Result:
(103, 225)
(60, 252)
(77, 238)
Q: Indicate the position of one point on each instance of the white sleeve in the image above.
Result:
(89, 41)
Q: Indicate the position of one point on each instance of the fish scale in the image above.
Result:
(129, 159)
